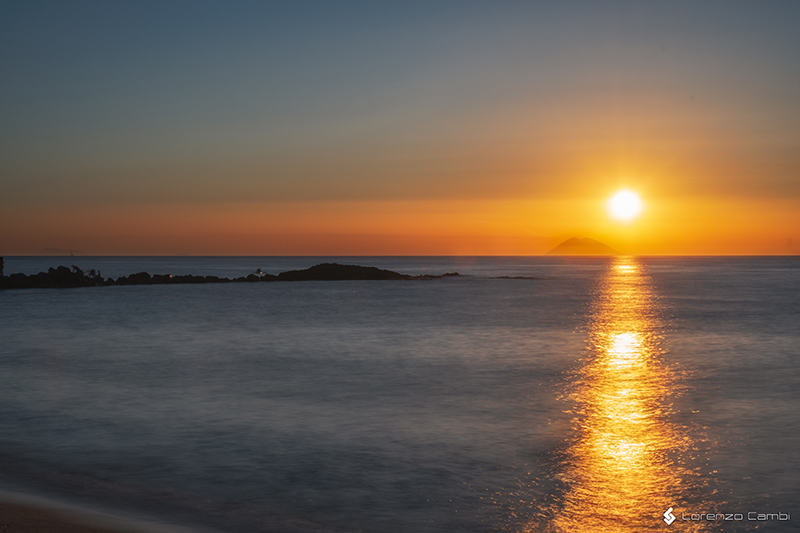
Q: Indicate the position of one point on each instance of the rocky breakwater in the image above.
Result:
(64, 277)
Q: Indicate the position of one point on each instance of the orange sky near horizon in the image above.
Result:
(667, 227)
(458, 129)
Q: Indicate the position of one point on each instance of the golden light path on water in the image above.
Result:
(622, 470)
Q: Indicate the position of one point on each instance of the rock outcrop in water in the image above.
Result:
(337, 272)
(63, 277)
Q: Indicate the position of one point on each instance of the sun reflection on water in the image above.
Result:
(621, 471)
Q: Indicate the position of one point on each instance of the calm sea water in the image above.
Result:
(591, 398)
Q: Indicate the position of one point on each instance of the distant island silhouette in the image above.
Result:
(582, 246)
(64, 277)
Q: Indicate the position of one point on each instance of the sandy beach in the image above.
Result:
(17, 518)
(27, 513)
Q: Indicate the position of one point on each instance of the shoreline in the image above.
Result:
(26, 513)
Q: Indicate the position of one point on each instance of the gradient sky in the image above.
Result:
(430, 128)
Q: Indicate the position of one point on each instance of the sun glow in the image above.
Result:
(625, 205)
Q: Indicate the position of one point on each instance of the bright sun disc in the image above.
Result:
(625, 205)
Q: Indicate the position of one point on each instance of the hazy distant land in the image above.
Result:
(582, 246)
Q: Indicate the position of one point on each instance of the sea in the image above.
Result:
(527, 394)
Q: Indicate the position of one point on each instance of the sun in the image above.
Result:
(625, 205)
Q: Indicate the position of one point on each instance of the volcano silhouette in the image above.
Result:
(584, 246)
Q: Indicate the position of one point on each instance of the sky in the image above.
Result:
(397, 128)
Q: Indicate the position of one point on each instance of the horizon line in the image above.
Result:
(546, 254)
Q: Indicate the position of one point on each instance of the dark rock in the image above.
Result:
(140, 278)
(335, 272)
(61, 277)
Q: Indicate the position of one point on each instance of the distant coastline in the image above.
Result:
(72, 277)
